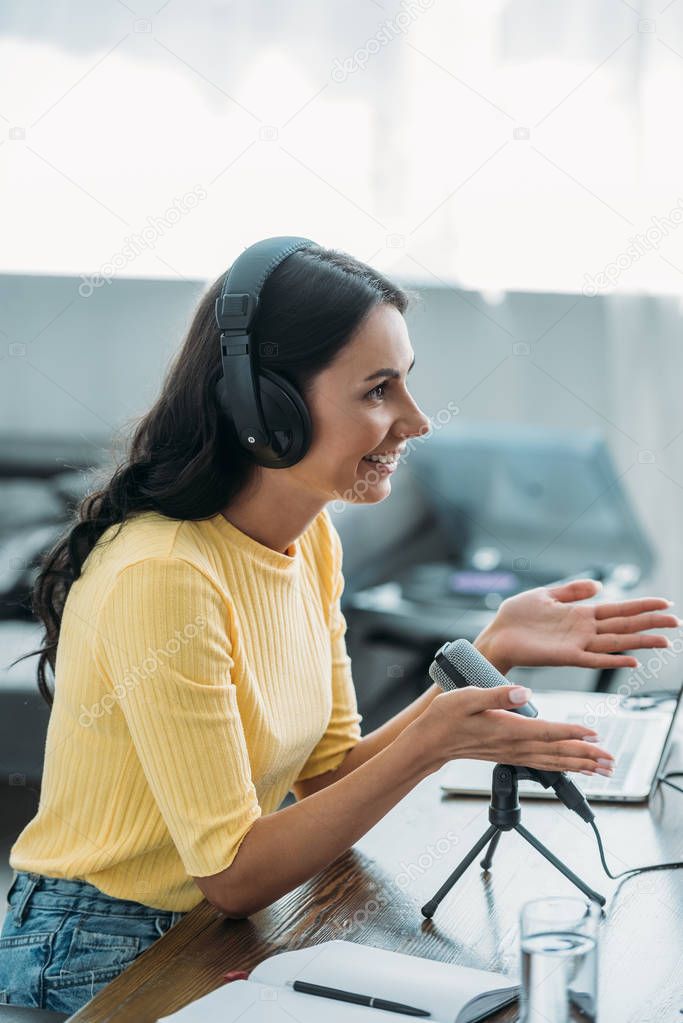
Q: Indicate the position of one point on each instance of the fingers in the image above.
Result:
(565, 755)
(608, 641)
(573, 749)
(592, 660)
(578, 589)
(639, 622)
(631, 607)
(553, 763)
(476, 699)
(496, 735)
(535, 731)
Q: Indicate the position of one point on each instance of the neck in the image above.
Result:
(274, 511)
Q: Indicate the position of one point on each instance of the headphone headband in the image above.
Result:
(261, 404)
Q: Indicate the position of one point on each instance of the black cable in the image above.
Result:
(633, 871)
(671, 774)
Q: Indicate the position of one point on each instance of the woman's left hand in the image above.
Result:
(546, 626)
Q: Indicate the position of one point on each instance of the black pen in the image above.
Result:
(350, 996)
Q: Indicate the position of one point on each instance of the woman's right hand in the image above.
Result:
(476, 724)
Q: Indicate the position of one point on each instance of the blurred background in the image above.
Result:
(518, 164)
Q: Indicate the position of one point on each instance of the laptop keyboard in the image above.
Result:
(620, 737)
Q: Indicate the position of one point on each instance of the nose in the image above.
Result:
(415, 423)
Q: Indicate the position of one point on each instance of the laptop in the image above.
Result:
(637, 730)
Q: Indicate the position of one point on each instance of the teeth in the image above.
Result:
(384, 459)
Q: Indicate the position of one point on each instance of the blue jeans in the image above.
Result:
(63, 940)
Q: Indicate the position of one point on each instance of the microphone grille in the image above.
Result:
(438, 675)
(468, 662)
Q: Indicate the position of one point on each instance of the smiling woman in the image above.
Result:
(194, 626)
(194, 551)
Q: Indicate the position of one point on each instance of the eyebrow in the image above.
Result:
(393, 373)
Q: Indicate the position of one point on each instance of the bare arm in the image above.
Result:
(283, 849)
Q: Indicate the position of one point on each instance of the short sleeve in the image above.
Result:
(162, 640)
(343, 730)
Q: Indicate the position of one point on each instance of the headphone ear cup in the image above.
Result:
(287, 418)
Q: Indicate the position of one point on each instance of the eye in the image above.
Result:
(374, 392)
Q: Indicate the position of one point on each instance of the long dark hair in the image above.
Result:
(183, 459)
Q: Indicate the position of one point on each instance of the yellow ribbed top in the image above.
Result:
(199, 674)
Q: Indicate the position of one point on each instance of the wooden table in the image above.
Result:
(373, 893)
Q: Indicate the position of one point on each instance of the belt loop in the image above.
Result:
(20, 909)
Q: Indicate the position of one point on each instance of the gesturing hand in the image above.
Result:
(546, 626)
(476, 724)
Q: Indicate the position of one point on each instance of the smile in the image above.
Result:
(383, 468)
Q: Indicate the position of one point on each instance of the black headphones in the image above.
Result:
(271, 419)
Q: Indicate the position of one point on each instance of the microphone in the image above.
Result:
(458, 665)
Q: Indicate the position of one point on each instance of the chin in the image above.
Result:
(370, 498)
(370, 491)
(358, 490)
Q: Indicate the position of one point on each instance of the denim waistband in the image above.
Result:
(73, 894)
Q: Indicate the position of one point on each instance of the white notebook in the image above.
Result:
(450, 993)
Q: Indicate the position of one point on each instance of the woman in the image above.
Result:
(193, 623)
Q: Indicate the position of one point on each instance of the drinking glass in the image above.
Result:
(559, 946)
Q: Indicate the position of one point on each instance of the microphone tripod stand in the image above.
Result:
(505, 814)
